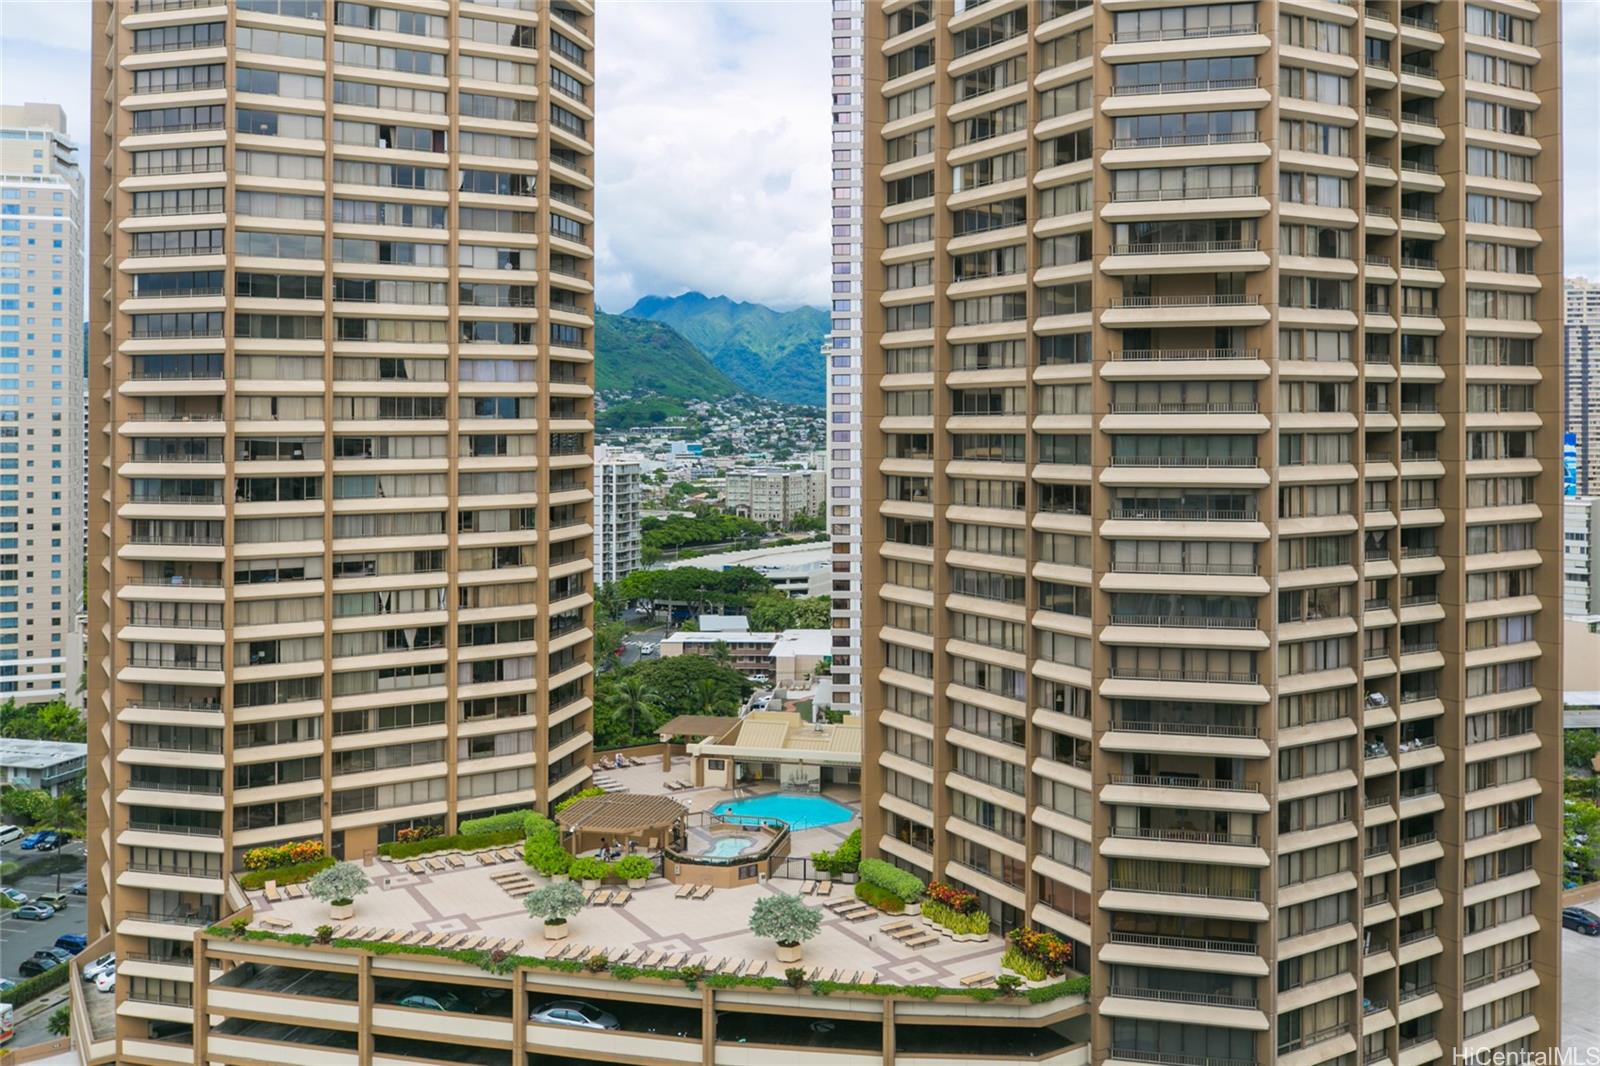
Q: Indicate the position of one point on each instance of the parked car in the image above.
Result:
(9, 833)
(1583, 921)
(32, 840)
(6, 985)
(58, 900)
(59, 954)
(106, 980)
(34, 912)
(35, 966)
(73, 942)
(94, 969)
(15, 895)
(575, 1012)
(81, 888)
(442, 1001)
(51, 842)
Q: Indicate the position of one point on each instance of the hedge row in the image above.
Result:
(459, 842)
(907, 886)
(528, 821)
(880, 898)
(251, 880)
(34, 987)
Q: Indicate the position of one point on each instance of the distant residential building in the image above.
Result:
(796, 570)
(774, 496)
(1579, 593)
(785, 658)
(618, 510)
(680, 449)
(42, 412)
(842, 355)
(55, 766)
(1582, 390)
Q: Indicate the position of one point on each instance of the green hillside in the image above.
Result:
(636, 356)
(776, 354)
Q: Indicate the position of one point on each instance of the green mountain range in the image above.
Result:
(636, 356)
(775, 354)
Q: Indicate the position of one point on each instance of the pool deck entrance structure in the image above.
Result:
(777, 747)
(693, 727)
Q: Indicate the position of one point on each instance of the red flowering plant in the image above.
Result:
(957, 899)
(283, 855)
(1047, 949)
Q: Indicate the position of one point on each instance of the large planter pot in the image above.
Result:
(341, 912)
(913, 908)
(555, 930)
(789, 952)
(591, 883)
(559, 879)
(636, 882)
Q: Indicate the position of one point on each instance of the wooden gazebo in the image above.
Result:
(648, 821)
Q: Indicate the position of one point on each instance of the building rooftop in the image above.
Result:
(777, 734)
(39, 754)
(723, 623)
(817, 642)
(781, 556)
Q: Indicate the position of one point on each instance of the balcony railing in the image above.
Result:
(1184, 943)
(1207, 192)
(1197, 462)
(1185, 729)
(1200, 999)
(170, 918)
(1183, 33)
(1317, 1037)
(1172, 1058)
(1499, 975)
(1416, 119)
(1170, 781)
(1183, 247)
(1182, 514)
(1420, 22)
(1186, 836)
(1179, 888)
(1142, 566)
(1242, 407)
(1176, 355)
(1161, 88)
(1183, 621)
(1231, 299)
(178, 830)
(1188, 140)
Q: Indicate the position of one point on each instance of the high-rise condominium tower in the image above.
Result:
(1211, 536)
(842, 352)
(1582, 391)
(41, 405)
(618, 513)
(341, 465)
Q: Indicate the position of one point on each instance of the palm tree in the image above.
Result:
(634, 698)
(64, 815)
(707, 695)
(721, 654)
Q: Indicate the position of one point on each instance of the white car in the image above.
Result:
(94, 969)
(107, 981)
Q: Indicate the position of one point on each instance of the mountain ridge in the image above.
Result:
(771, 353)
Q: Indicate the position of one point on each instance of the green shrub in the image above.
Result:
(459, 842)
(907, 886)
(582, 793)
(1032, 969)
(846, 858)
(633, 867)
(284, 875)
(546, 855)
(949, 918)
(588, 868)
(880, 898)
(34, 987)
(525, 820)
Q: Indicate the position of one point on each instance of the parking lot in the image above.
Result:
(37, 874)
(1580, 976)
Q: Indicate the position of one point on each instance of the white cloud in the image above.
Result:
(1580, 76)
(712, 145)
(44, 57)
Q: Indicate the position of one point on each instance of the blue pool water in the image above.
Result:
(728, 847)
(801, 812)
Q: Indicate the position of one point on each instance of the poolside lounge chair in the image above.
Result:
(921, 941)
(683, 891)
(508, 854)
(861, 915)
(868, 977)
(896, 927)
(625, 957)
(703, 892)
(487, 858)
(824, 888)
(672, 961)
(807, 887)
(814, 974)
(416, 868)
(734, 968)
(455, 860)
(506, 875)
(974, 979)
(510, 944)
(602, 898)
(270, 889)
(438, 865)
(844, 903)
(652, 957)
(907, 931)
(756, 969)
(275, 922)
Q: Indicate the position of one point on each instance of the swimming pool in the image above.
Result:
(801, 812)
(728, 847)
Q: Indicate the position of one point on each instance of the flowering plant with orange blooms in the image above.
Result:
(957, 899)
(1047, 949)
(283, 855)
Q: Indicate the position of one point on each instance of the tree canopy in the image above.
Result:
(694, 586)
(56, 720)
(633, 702)
(776, 612)
(708, 528)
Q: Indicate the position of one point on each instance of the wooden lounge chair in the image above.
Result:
(602, 898)
(340, 930)
(510, 944)
(896, 927)
(455, 860)
(437, 865)
(824, 888)
(868, 977)
(807, 887)
(921, 941)
(508, 855)
(487, 858)
(703, 892)
(684, 891)
(972, 980)
(907, 931)
(270, 889)
(505, 875)
(843, 903)
(275, 922)
(557, 951)
(651, 958)
(861, 915)
(416, 868)
(621, 897)
(294, 891)
(625, 957)
(672, 961)
(736, 968)
(814, 974)
(756, 969)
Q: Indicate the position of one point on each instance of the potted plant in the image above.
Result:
(549, 858)
(635, 870)
(787, 920)
(339, 885)
(554, 904)
(590, 870)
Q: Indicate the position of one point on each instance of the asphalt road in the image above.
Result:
(1580, 976)
(633, 644)
(20, 939)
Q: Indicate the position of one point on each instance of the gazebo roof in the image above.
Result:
(698, 725)
(621, 813)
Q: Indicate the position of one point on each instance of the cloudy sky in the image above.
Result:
(713, 138)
